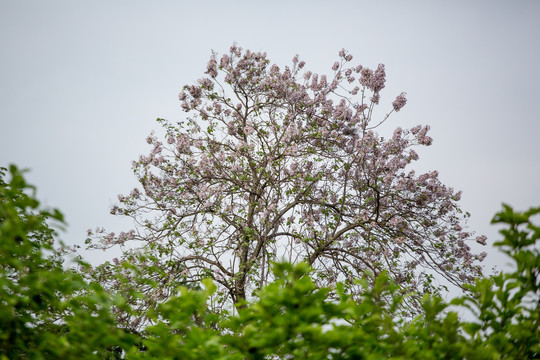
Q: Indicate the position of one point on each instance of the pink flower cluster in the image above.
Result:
(400, 101)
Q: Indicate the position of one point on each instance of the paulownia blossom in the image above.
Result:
(284, 164)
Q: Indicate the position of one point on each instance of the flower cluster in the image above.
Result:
(400, 101)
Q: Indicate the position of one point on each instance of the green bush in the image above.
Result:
(293, 318)
(48, 312)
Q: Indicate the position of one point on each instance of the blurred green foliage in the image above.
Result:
(44, 312)
(49, 312)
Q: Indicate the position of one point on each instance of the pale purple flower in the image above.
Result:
(378, 79)
(481, 239)
(206, 83)
(225, 61)
(195, 91)
(183, 144)
(135, 193)
(211, 68)
(109, 238)
(421, 132)
(400, 101)
(365, 80)
(323, 81)
(314, 81)
(235, 49)
(416, 129)
(423, 139)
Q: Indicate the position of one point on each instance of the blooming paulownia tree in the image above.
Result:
(283, 164)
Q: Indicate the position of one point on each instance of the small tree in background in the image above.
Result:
(284, 164)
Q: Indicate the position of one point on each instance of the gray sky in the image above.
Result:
(82, 82)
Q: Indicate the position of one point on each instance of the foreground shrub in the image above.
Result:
(48, 312)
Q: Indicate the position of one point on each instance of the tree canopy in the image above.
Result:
(276, 164)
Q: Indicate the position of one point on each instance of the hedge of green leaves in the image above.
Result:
(48, 312)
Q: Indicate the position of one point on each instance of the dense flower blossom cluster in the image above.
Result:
(400, 102)
(283, 163)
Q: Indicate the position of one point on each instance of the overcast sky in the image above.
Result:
(82, 82)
